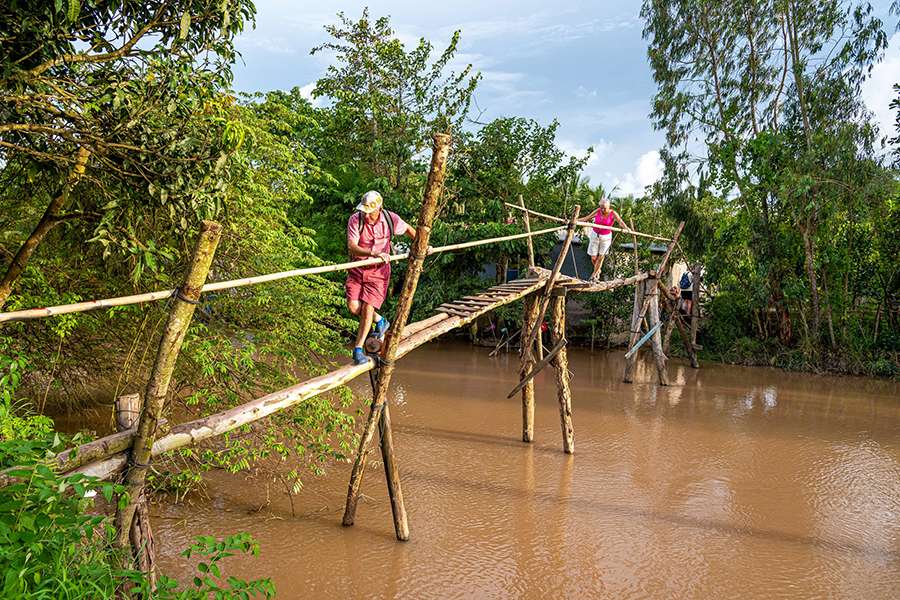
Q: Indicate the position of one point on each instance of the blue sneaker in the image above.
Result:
(359, 357)
(381, 327)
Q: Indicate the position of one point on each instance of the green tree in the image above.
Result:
(387, 99)
(112, 104)
(745, 75)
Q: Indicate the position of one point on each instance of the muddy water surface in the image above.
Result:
(733, 482)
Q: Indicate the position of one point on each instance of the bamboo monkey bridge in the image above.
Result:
(129, 452)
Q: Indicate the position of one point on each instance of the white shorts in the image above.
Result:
(599, 244)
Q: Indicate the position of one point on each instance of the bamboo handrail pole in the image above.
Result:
(551, 281)
(196, 431)
(588, 223)
(433, 188)
(199, 430)
(528, 229)
(78, 307)
(161, 375)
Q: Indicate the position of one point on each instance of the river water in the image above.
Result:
(732, 483)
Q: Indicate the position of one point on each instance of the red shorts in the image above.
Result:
(368, 284)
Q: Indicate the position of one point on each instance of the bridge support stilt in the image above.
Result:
(532, 305)
(561, 364)
(652, 292)
(378, 413)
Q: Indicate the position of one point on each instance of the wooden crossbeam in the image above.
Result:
(538, 367)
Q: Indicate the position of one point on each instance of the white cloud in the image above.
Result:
(647, 170)
(877, 91)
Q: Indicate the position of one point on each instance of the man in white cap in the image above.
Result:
(369, 233)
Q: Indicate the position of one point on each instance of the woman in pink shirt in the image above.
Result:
(600, 236)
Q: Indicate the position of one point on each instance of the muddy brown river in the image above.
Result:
(732, 483)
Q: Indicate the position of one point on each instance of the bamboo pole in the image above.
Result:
(528, 229)
(128, 410)
(551, 281)
(656, 340)
(104, 464)
(588, 223)
(637, 317)
(561, 363)
(158, 385)
(679, 323)
(433, 189)
(79, 307)
(526, 362)
(529, 376)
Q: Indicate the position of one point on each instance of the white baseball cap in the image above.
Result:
(370, 202)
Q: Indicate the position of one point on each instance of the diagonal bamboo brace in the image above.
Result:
(377, 414)
(183, 305)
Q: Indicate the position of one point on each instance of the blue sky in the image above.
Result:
(582, 62)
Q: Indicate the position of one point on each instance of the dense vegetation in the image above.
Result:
(119, 132)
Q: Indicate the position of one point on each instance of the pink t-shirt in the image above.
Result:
(375, 237)
(608, 220)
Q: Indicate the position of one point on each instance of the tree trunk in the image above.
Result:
(48, 221)
(809, 252)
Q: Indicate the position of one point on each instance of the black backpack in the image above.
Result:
(685, 282)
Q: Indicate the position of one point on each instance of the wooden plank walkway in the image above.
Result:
(414, 335)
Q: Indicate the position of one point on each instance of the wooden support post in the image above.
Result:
(561, 363)
(551, 281)
(656, 341)
(637, 317)
(433, 188)
(527, 230)
(392, 475)
(183, 304)
(128, 410)
(526, 365)
(679, 322)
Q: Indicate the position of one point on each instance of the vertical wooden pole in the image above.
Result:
(528, 230)
(392, 475)
(637, 317)
(128, 410)
(528, 339)
(180, 315)
(561, 365)
(433, 188)
(527, 363)
(656, 341)
(682, 329)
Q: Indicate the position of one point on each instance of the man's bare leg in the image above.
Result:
(358, 308)
(366, 314)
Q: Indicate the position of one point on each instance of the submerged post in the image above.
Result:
(652, 292)
(526, 365)
(183, 304)
(561, 364)
(417, 253)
